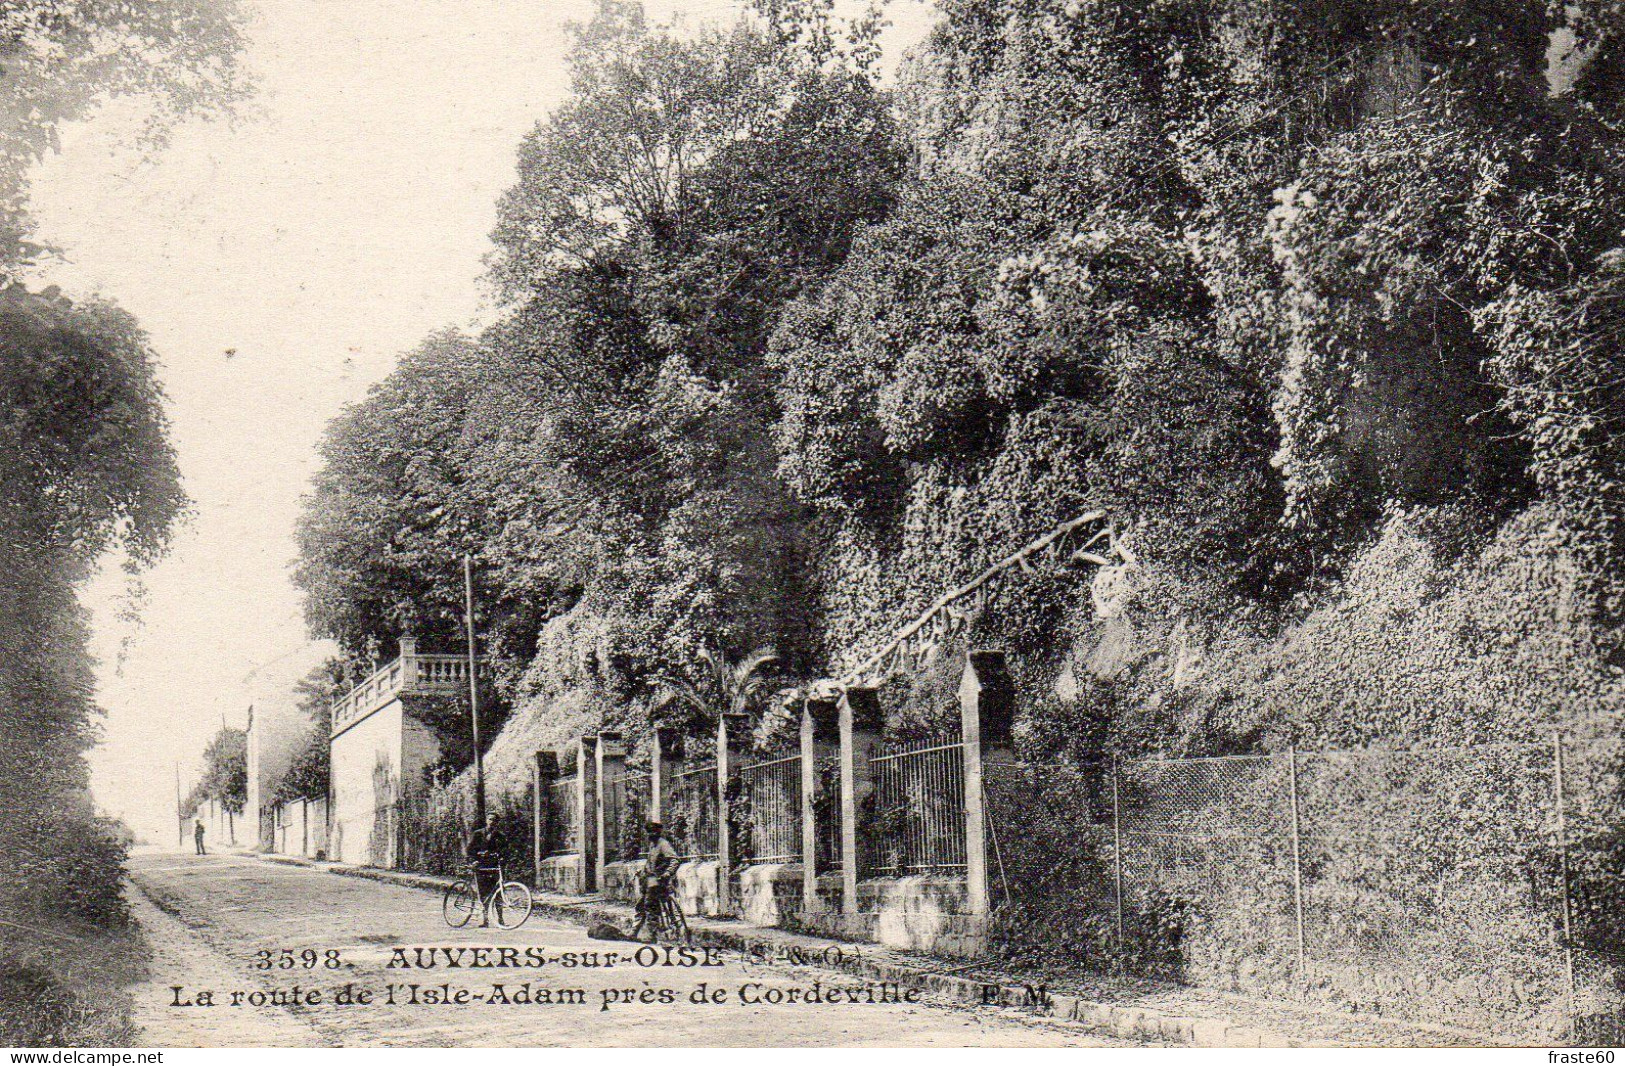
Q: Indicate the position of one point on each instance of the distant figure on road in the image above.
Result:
(485, 847)
(197, 836)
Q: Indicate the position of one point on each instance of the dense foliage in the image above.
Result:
(310, 770)
(85, 468)
(1319, 301)
(225, 772)
(785, 355)
(605, 449)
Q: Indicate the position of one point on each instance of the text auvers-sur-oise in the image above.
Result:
(647, 956)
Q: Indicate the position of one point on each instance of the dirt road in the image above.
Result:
(253, 953)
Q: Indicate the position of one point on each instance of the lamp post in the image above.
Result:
(474, 691)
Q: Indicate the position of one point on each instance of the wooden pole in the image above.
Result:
(809, 800)
(1563, 869)
(1297, 866)
(1117, 861)
(474, 691)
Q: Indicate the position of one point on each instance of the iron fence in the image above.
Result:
(562, 834)
(1444, 885)
(626, 811)
(917, 822)
(827, 814)
(691, 814)
(767, 816)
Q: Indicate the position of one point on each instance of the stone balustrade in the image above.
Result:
(413, 674)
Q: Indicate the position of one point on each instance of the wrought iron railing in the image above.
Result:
(917, 822)
(626, 812)
(691, 817)
(767, 811)
(563, 835)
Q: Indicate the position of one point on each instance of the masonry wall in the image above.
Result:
(366, 775)
(914, 913)
(276, 731)
(376, 760)
(300, 828)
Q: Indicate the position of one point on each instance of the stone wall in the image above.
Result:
(768, 893)
(277, 728)
(376, 759)
(300, 828)
(696, 886)
(914, 913)
(562, 874)
(623, 880)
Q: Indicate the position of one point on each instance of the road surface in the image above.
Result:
(274, 947)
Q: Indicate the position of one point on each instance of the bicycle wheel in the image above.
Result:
(670, 923)
(512, 902)
(459, 904)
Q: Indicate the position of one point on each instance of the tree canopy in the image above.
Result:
(86, 467)
(785, 353)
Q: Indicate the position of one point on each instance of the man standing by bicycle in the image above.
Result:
(485, 847)
(659, 870)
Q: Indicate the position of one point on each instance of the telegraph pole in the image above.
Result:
(180, 823)
(474, 691)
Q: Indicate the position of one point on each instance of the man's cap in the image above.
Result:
(655, 826)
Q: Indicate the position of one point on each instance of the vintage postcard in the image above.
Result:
(811, 523)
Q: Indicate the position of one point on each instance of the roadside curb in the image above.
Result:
(1123, 1022)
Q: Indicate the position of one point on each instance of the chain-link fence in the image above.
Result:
(1452, 885)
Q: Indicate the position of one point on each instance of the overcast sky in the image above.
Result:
(330, 228)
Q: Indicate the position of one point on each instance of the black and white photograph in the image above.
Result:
(1091, 524)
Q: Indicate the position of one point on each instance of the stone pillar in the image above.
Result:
(544, 772)
(733, 739)
(859, 718)
(409, 661)
(820, 731)
(665, 763)
(987, 706)
(611, 767)
(586, 804)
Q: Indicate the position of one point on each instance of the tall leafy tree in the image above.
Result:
(613, 467)
(85, 463)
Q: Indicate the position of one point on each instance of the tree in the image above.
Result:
(385, 526)
(310, 771)
(719, 687)
(85, 464)
(61, 59)
(225, 769)
(604, 448)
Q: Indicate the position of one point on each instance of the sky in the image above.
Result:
(280, 262)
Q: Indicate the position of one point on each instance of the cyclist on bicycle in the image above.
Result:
(659, 870)
(485, 847)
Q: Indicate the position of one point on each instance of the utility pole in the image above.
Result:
(474, 691)
(180, 823)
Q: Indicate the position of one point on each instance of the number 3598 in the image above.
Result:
(288, 959)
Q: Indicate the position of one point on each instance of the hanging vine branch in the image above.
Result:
(953, 612)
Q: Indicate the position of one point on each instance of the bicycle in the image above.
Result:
(511, 898)
(667, 923)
